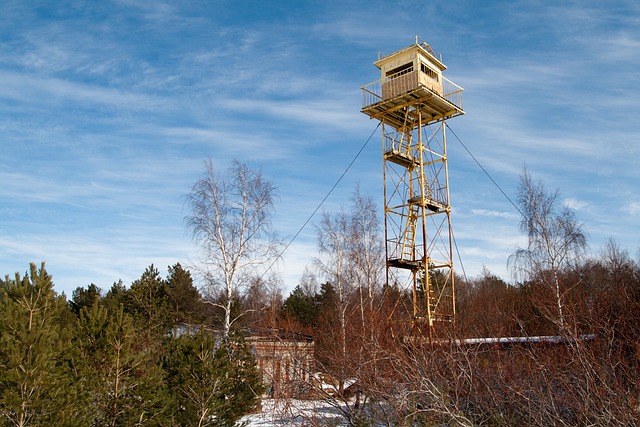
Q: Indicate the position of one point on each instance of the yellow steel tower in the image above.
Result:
(412, 100)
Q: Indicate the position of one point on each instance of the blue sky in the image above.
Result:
(108, 110)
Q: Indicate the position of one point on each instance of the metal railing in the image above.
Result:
(372, 92)
(452, 92)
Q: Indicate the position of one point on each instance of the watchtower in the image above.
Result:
(412, 100)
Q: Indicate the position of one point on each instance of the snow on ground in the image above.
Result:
(292, 412)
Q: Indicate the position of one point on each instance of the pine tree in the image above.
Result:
(197, 379)
(213, 383)
(182, 296)
(122, 377)
(82, 297)
(116, 297)
(150, 306)
(302, 306)
(37, 386)
(244, 379)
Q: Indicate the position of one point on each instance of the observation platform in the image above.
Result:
(405, 264)
(398, 101)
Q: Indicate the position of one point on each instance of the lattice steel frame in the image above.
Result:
(417, 210)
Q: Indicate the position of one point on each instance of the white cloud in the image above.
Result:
(632, 208)
(495, 214)
(576, 205)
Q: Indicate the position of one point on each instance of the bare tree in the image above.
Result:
(262, 302)
(231, 219)
(366, 250)
(618, 262)
(308, 282)
(555, 239)
(333, 245)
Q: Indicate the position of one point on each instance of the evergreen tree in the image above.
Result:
(327, 298)
(82, 297)
(301, 306)
(214, 384)
(150, 309)
(119, 373)
(244, 378)
(37, 386)
(183, 297)
(197, 379)
(118, 296)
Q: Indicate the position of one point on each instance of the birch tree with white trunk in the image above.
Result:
(366, 251)
(231, 220)
(333, 246)
(555, 239)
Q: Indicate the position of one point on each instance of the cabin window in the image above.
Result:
(398, 71)
(429, 71)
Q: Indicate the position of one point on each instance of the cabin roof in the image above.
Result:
(423, 48)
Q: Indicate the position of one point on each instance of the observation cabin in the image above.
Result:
(412, 77)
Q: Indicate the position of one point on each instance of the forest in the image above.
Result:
(116, 357)
(113, 360)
